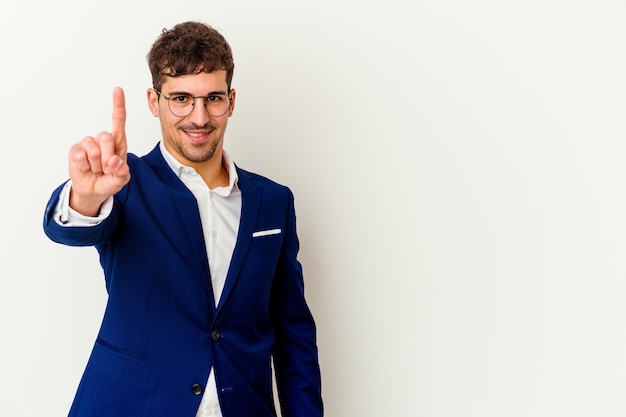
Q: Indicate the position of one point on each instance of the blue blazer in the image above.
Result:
(161, 332)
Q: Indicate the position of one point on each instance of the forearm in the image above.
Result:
(295, 351)
(297, 372)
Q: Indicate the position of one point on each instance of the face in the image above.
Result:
(195, 140)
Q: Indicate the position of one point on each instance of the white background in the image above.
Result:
(459, 173)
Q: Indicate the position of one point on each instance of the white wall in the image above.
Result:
(458, 169)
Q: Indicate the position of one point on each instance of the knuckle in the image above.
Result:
(104, 137)
(77, 152)
(93, 152)
(87, 140)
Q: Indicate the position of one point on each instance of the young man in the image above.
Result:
(199, 256)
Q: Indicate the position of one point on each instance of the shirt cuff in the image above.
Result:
(65, 216)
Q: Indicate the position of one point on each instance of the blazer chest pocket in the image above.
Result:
(267, 237)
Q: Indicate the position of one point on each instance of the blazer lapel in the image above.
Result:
(250, 205)
(187, 214)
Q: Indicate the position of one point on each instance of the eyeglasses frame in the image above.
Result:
(204, 98)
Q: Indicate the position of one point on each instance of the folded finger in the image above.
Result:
(78, 158)
(107, 149)
(94, 155)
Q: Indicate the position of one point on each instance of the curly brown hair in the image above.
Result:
(189, 48)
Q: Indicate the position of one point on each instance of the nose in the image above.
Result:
(199, 116)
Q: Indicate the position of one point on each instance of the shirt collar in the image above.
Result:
(180, 169)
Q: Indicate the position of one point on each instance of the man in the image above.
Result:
(199, 256)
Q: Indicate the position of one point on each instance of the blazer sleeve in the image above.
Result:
(78, 235)
(295, 353)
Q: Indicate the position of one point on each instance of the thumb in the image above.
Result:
(120, 172)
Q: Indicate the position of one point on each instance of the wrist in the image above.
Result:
(87, 206)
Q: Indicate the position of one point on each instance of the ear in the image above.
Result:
(153, 102)
(233, 95)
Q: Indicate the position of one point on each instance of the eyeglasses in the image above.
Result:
(181, 105)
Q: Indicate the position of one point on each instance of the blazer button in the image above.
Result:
(215, 334)
(197, 389)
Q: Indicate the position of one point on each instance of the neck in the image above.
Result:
(214, 175)
(212, 171)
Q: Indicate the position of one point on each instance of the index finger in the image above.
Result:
(119, 120)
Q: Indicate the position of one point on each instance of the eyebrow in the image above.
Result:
(212, 93)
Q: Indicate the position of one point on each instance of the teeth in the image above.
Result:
(195, 135)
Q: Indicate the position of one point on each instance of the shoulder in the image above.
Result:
(153, 167)
(260, 181)
(153, 159)
(270, 194)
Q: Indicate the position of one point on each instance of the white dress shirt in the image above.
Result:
(220, 212)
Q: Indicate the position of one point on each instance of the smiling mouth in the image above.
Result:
(197, 134)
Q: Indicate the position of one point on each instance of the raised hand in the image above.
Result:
(98, 166)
